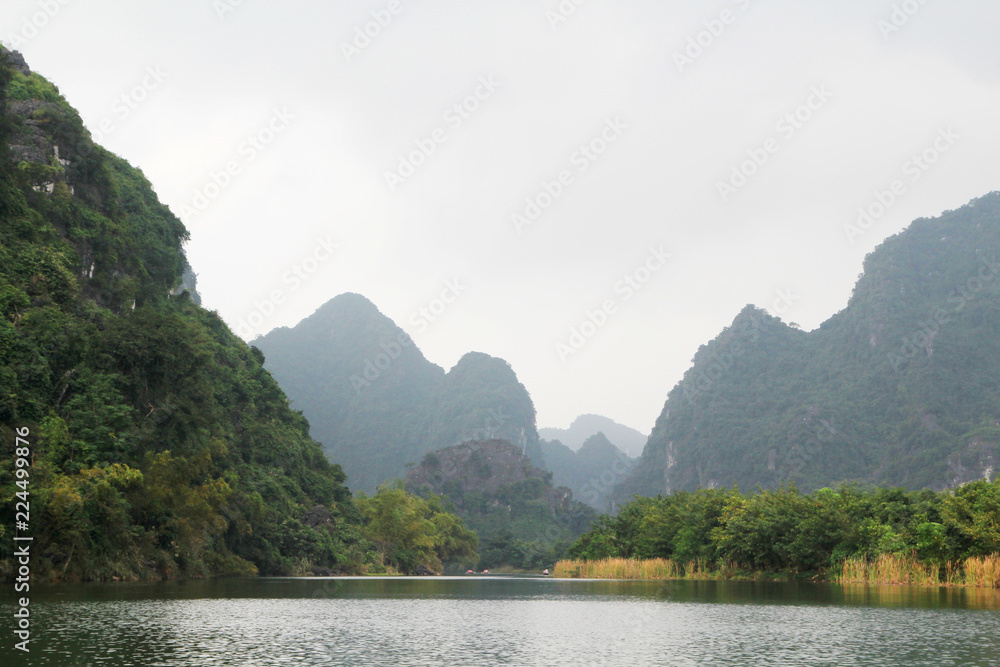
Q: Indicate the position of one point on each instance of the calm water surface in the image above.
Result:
(482, 621)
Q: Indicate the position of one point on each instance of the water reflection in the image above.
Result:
(507, 621)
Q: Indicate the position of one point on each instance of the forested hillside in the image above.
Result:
(377, 404)
(159, 446)
(522, 519)
(902, 387)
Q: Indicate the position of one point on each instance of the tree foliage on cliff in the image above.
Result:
(160, 445)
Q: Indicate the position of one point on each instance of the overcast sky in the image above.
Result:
(685, 159)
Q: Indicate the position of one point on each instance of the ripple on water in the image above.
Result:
(549, 623)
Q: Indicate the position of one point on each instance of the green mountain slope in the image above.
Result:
(521, 518)
(159, 446)
(902, 387)
(377, 404)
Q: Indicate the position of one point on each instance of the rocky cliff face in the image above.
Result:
(898, 389)
(495, 489)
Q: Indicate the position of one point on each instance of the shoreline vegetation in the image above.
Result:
(887, 569)
(844, 535)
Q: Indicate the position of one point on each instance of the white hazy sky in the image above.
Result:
(229, 69)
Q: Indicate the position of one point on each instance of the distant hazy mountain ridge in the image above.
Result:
(902, 387)
(377, 404)
(583, 427)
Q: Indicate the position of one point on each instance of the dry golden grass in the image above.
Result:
(984, 571)
(899, 569)
(886, 569)
(889, 569)
(617, 568)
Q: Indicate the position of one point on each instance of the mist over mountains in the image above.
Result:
(902, 387)
(377, 404)
(899, 388)
(583, 427)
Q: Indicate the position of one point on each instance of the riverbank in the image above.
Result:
(980, 572)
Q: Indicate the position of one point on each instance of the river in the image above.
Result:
(482, 621)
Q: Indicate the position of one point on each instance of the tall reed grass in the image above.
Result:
(984, 571)
(902, 569)
(886, 569)
(617, 568)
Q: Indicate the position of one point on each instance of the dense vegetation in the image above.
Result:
(160, 447)
(785, 531)
(376, 404)
(415, 535)
(901, 388)
(523, 521)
